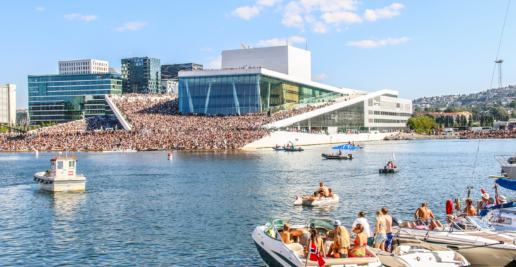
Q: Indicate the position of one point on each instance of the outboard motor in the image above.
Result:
(396, 221)
(350, 156)
(511, 160)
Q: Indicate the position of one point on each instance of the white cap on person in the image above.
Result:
(336, 223)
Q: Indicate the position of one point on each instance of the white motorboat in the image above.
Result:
(310, 202)
(472, 237)
(275, 253)
(414, 253)
(62, 176)
(508, 164)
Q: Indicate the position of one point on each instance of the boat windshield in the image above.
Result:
(320, 223)
(278, 222)
(479, 223)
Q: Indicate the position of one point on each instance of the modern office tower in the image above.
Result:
(170, 71)
(83, 66)
(289, 60)
(8, 104)
(141, 75)
(243, 90)
(69, 97)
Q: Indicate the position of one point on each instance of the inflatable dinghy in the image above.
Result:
(318, 202)
(278, 148)
(327, 156)
(395, 170)
(294, 149)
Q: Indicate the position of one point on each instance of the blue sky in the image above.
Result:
(419, 48)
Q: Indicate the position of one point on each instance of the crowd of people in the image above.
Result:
(239, 68)
(495, 134)
(156, 123)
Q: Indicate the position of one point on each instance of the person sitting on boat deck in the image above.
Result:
(485, 201)
(340, 246)
(503, 199)
(47, 172)
(285, 235)
(424, 213)
(367, 227)
(340, 152)
(330, 194)
(359, 250)
(491, 202)
(303, 235)
(277, 146)
(318, 241)
(323, 189)
(392, 164)
(469, 210)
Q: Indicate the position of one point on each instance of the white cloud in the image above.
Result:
(268, 2)
(245, 12)
(341, 16)
(320, 27)
(132, 26)
(292, 16)
(215, 64)
(386, 12)
(40, 8)
(280, 42)
(83, 17)
(317, 77)
(329, 5)
(371, 43)
(206, 49)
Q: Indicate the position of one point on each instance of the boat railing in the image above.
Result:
(503, 159)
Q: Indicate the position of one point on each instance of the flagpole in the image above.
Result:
(309, 246)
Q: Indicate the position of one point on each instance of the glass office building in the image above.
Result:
(171, 71)
(64, 98)
(141, 75)
(246, 93)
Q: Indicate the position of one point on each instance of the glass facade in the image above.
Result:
(247, 93)
(141, 75)
(349, 117)
(63, 98)
(171, 71)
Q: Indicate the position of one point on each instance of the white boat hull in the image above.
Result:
(275, 253)
(510, 170)
(315, 203)
(77, 183)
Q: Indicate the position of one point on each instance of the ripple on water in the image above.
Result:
(201, 207)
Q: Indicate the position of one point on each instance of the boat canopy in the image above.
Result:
(346, 146)
(506, 183)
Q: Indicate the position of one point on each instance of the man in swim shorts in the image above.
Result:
(388, 229)
(303, 234)
(323, 189)
(424, 214)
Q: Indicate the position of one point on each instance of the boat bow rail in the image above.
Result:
(117, 113)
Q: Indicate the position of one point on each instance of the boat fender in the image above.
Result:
(457, 204)
(449, 207)
(396, 221)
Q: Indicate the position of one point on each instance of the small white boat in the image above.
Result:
(414, 253)
(62, 176)
(508, 164)
(319, 202)
(275, 253)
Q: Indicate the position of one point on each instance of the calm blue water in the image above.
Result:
(201, 207)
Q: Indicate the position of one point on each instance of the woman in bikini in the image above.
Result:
(330, 194)
(340, 246)
(318, 241)
(381, 235)
(359, 250)
(469, 210)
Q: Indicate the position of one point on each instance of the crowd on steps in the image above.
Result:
(156, 124)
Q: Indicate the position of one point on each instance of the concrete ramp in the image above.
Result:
(117, 113)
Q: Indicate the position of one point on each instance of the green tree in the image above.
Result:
(421, 124)
(512, 104)
(470, 121)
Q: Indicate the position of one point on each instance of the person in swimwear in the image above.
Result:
(469, 210)
(424, 213)
(323, 189)
(359, 251)
(340, 246)
(331, 193)
(285, 235)
(303, 235)
(318, 241)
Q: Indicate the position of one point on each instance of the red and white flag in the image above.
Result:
(316, 255)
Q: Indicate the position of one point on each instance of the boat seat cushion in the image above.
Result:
(295, 247)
